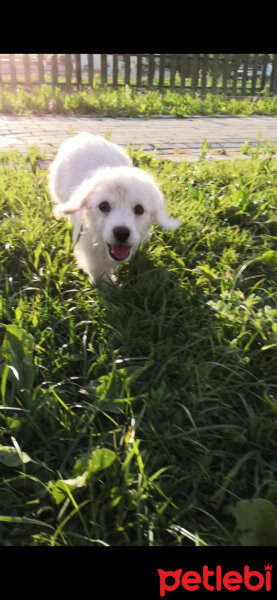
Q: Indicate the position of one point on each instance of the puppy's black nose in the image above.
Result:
(121, 234)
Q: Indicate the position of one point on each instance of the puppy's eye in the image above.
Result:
(104, 206)
(138, 210)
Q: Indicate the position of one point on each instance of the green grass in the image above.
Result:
(145, 415)
(127, 102)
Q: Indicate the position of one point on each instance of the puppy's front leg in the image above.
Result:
(104, 282)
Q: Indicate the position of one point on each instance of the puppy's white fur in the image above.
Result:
(89, 170)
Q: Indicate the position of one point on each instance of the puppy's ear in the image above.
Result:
(165, 221)
(161, 217)
(76, 201)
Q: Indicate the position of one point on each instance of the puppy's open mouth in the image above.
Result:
(119, 251)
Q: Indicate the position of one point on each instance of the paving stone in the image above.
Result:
(164, 135)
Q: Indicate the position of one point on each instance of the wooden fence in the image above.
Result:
(227, 74)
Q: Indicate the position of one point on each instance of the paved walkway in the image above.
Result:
(176, 139)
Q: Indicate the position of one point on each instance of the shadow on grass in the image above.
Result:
(203, 399)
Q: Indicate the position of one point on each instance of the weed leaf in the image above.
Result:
(101, 458)
(10, 457)
(17, 351)
(256, 522)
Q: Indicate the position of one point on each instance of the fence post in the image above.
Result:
(161, 73)
(225, 73)
(68, 72)
(194, 73)
(245, 76)
(13, 71)
(183, 70)
(127, 69)
(40, 69)
(205, 63)
(27, 75)
(263, 81)
(78, 70)
(103, 69)
(215, 73)
(115, 70)
(54, 70)
(273, 83)
(151, 70)
(254, 74)
(90, 70)
(139, 69)
(173, 70)
(236, 63)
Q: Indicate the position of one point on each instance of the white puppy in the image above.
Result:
(111, 203)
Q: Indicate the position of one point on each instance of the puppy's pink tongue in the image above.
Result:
(120, 252)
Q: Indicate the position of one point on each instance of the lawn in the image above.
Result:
(145, 415)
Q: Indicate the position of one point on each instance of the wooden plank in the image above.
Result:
(173, 65)
(236, 64)
(103, 69)
(127, 69)
(115, 70)
(90, 70)
(205, 64)
(214, 73)
(151, 70)
(183, 70)
(27, 73)
(54, 61)
(194, 72)
(139, 69)
(273, 79)
(254, 75)
(161, 72)
(40, 69)
(13, 71)
(68, 71)
(225, 73)
(245, 76)
(263, 80)
(78, 70)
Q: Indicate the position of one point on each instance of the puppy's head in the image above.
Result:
(119, 205)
